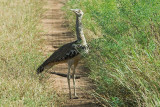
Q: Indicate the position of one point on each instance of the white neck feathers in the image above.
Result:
(79, 30)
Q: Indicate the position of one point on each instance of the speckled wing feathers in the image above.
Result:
(65, 52)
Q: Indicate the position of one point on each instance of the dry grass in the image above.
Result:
(19, 55)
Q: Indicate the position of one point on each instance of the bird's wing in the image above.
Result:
(65, 52)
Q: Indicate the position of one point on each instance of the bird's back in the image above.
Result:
(65, 52)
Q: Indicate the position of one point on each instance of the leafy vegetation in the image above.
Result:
(125, 58)
(19, 55)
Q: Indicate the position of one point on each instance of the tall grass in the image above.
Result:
(19, 55)
(125, 59)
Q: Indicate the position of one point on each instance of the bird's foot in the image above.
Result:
(75, 97)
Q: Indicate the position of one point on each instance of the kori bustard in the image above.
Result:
(69, 53)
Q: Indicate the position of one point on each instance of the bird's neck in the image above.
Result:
(79, 30)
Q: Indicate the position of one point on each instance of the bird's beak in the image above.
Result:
(73, 10)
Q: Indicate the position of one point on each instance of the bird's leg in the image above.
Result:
(74, 84)
(68, 78)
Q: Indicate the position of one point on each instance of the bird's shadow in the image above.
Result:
(63, 75)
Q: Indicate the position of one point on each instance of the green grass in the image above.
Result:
(20, 43)
(125, 58)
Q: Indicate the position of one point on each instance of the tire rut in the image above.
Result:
(56, 34)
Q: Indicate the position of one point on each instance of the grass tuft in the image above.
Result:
(124, 59)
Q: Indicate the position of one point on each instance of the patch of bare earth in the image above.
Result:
(57, 34)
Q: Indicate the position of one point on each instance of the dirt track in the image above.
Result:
(57, 34)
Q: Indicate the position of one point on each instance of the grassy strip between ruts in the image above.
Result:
(125, 61)
(20, 56)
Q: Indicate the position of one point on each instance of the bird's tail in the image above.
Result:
(40, 69)
(45, 66)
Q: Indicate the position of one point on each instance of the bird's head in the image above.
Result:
(77, 12)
